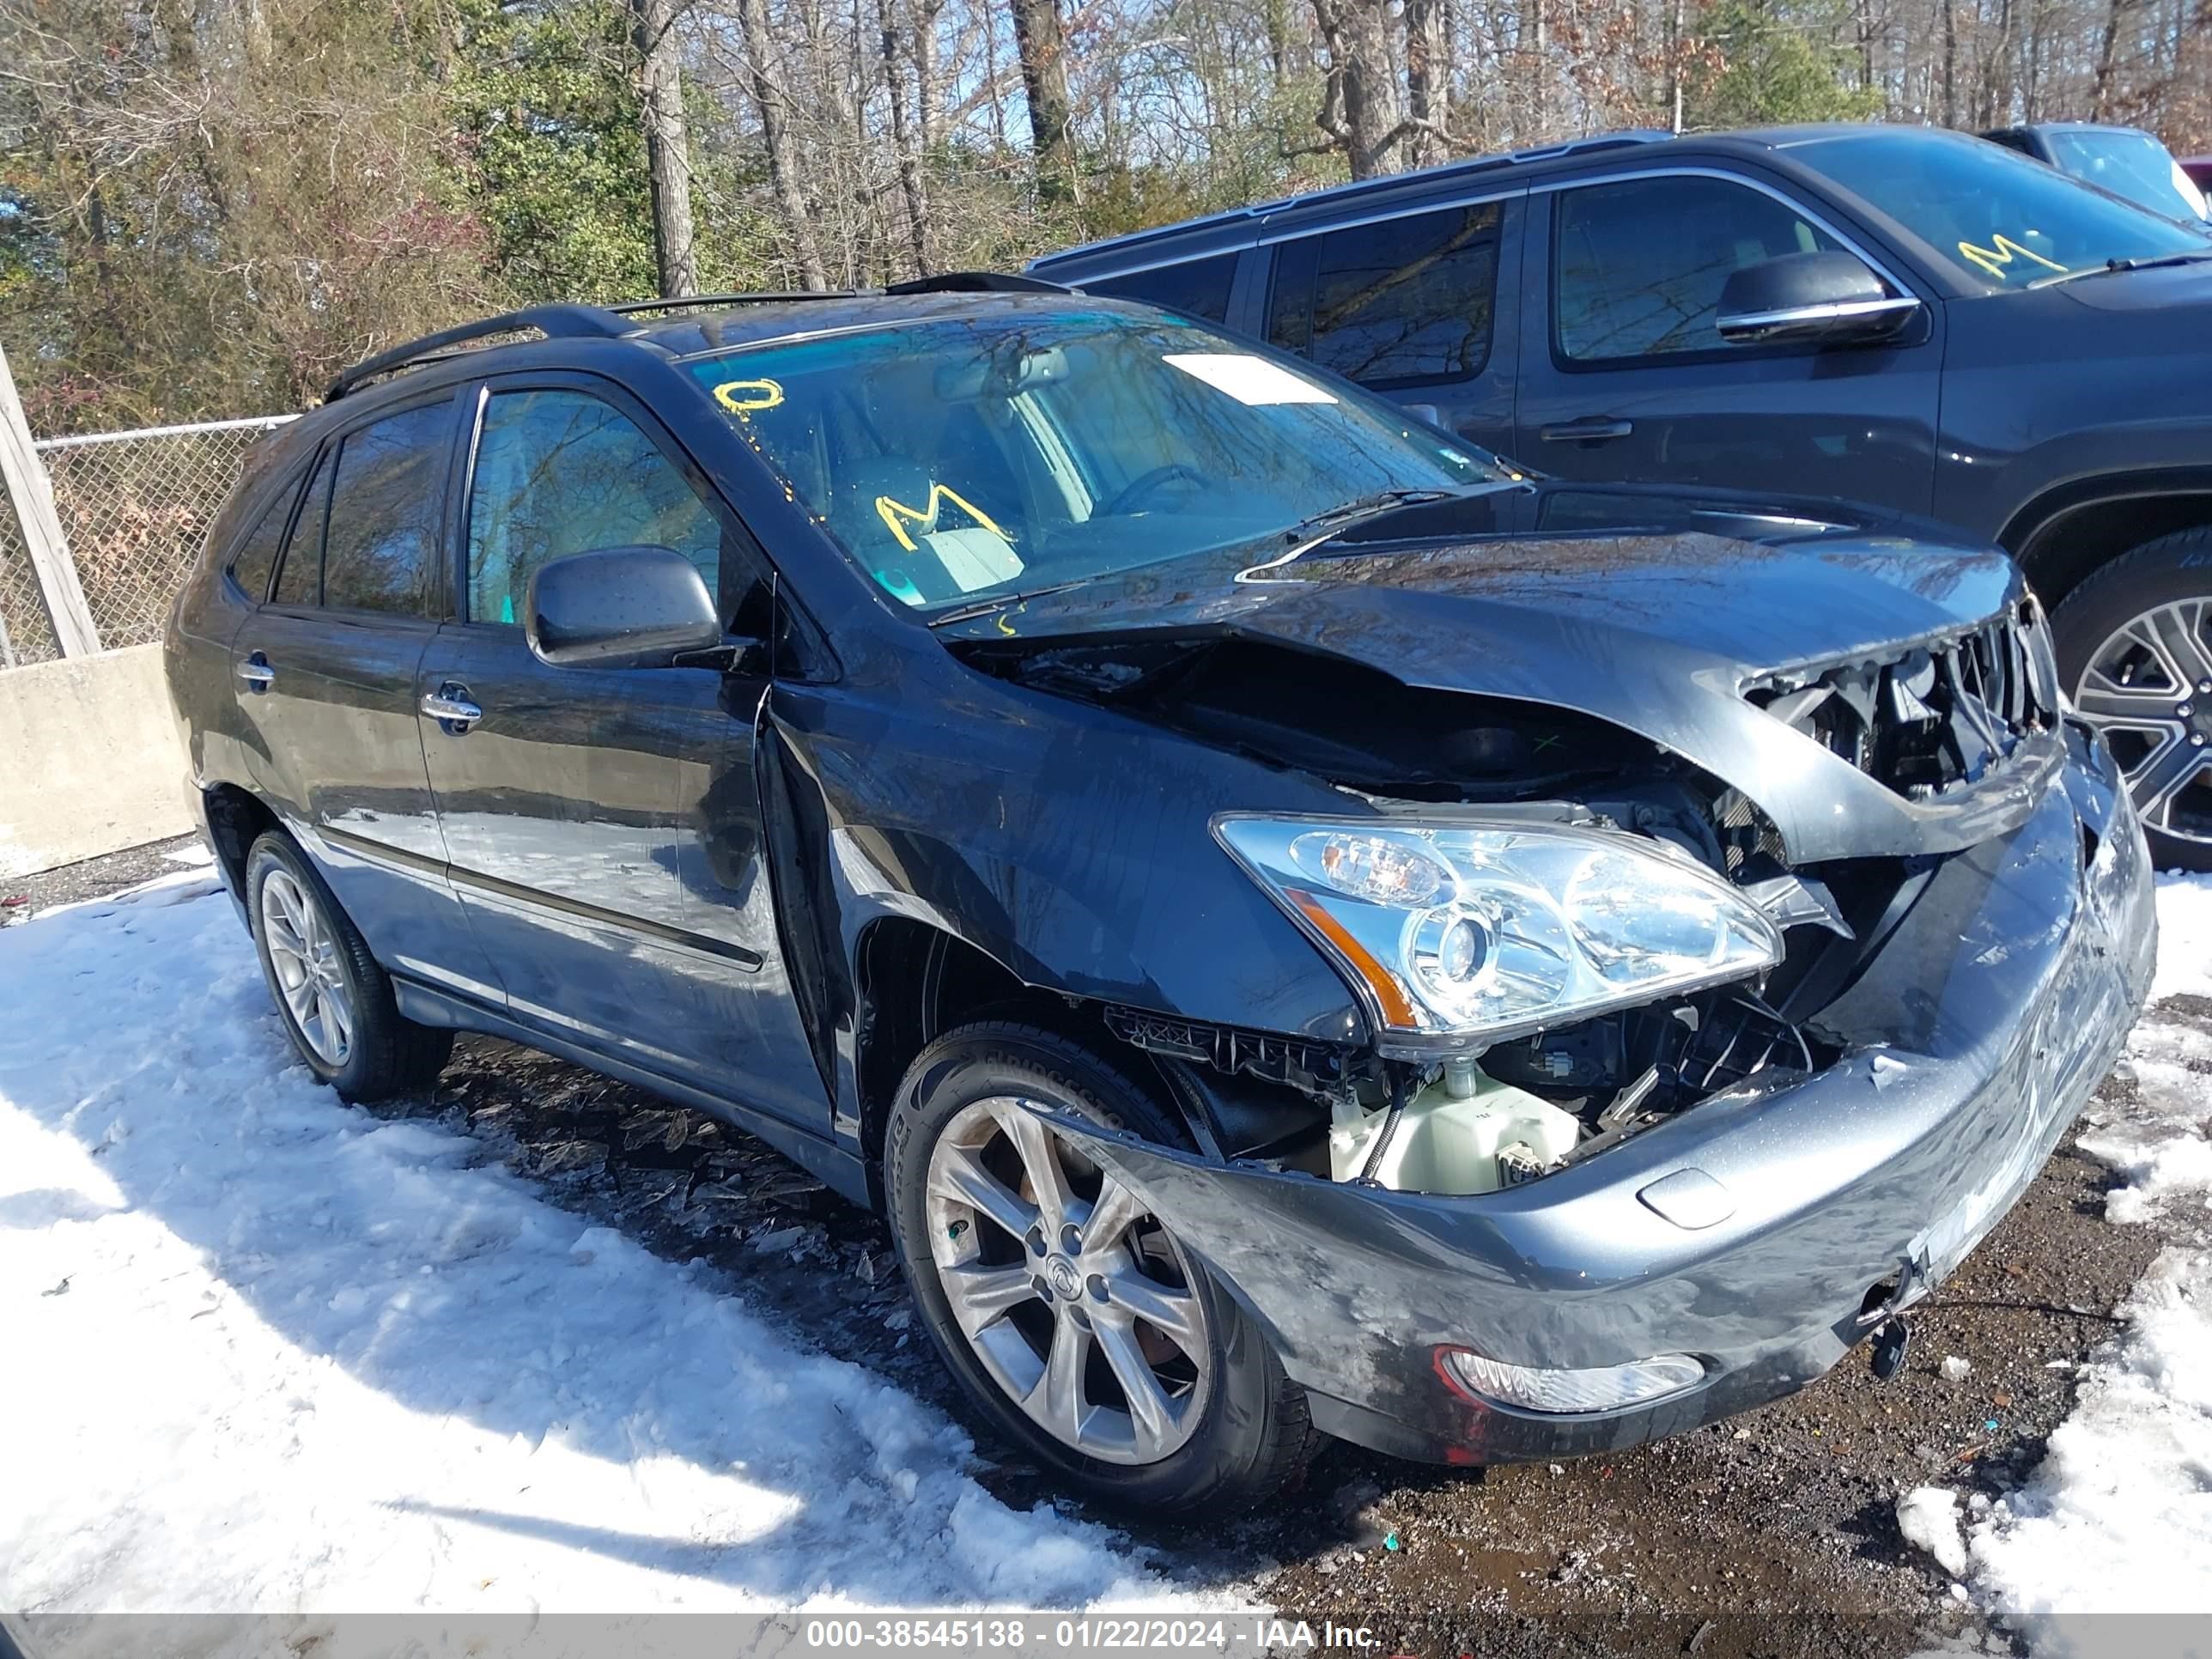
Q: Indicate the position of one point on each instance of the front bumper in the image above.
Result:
(1971, 1041)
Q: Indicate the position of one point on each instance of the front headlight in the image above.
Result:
(1494, 930)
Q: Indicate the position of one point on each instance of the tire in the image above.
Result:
(1233, 1430)
(2145, 621)
(374, 1051)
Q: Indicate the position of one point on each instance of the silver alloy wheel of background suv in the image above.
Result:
(1079, 1307)
(303, 953)
(2149, 688)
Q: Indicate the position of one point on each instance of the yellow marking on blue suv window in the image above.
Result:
(2001, 252)
(896, 514)
(770, 394)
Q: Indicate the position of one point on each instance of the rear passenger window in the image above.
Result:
(1197, 288)
(1405, 302)
(1639, 266)
(301, 580)
(380, 552)
(255, 561)
(561, 473)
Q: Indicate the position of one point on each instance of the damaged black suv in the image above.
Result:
(1300, 927)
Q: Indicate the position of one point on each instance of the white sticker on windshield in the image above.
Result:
(1252, 380)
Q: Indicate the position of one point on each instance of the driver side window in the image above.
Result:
(561, 471)
(1640, 266)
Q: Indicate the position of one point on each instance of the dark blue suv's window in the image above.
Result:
(387, 510)
(1638, 265)
(1405, 302)
(1197, 288)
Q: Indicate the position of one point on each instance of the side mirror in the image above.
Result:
(1828, 298)
(620, 607)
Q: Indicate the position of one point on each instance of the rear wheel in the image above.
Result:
(1075, 1322)
(336, 1003)
(2135, 654)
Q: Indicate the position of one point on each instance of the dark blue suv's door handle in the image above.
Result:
(1591, 429)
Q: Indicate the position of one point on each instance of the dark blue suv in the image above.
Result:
(1914, 319)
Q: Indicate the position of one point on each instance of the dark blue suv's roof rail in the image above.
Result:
(611, 322)
(554, 321)
(1387, 183)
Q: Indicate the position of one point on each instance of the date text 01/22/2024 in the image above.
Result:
(1124, 1633)
(1089, 1633)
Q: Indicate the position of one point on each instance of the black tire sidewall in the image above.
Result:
(2160, 572)
(974, 1064)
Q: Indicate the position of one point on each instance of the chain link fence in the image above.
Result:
(135, 508)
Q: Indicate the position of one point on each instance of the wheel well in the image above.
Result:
(235, 819)
(917, 981)
(2072, 544)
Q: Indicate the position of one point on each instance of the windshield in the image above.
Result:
(2002, 220)
(960, 459)
(2130, 164)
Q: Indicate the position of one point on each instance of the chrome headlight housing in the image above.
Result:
(1463, 931)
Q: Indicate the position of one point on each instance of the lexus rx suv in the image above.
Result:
(1300, 929)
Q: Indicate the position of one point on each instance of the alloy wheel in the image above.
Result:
(303, 952)
(1080, 1305)
(2149, 689)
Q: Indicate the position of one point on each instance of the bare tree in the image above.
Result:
(667, 143)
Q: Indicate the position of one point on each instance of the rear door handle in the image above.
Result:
(255, 673)
(1591, 429)
(450, 706)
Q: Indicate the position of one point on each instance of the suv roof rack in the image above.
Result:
(553, 321)
(607, 322)
(1359, 187)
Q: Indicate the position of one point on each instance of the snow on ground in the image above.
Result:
(2119, 1517)
(264, 1352)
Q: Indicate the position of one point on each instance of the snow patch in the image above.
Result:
(1928, 1518)
(291, 1357)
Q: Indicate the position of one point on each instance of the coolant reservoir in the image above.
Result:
(1447, 1143)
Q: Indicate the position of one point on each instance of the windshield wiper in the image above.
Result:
(1340, 518)
(2113, 267)
(1005, 601)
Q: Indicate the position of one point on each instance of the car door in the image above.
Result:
(1410, 306)
(604, 824)
(1625, 377)
(325, 671)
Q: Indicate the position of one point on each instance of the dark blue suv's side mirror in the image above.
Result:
(620, 607)
(1828, 298)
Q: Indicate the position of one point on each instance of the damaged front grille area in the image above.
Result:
(1932, 719)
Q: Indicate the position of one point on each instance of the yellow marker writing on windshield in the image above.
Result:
(2000, 253)
(767, 395)
(896, 514)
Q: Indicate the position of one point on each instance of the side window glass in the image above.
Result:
(255, 561)
(1639, 266)
(301, 580)
(1408, 302)
(380, 552)
(1197, 288)
(560, 472)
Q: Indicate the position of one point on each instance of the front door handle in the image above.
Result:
(450, 706)
(255, 673)
(1591, 429)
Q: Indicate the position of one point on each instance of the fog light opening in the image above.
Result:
(1566, 1392)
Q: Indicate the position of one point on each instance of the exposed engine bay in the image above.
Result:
(1485, 1118)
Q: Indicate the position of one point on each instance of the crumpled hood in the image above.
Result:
(1648, 609)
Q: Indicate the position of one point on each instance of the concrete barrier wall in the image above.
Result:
(89, 760)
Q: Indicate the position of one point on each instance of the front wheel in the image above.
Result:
(1076, 1323)
(2135, 654)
